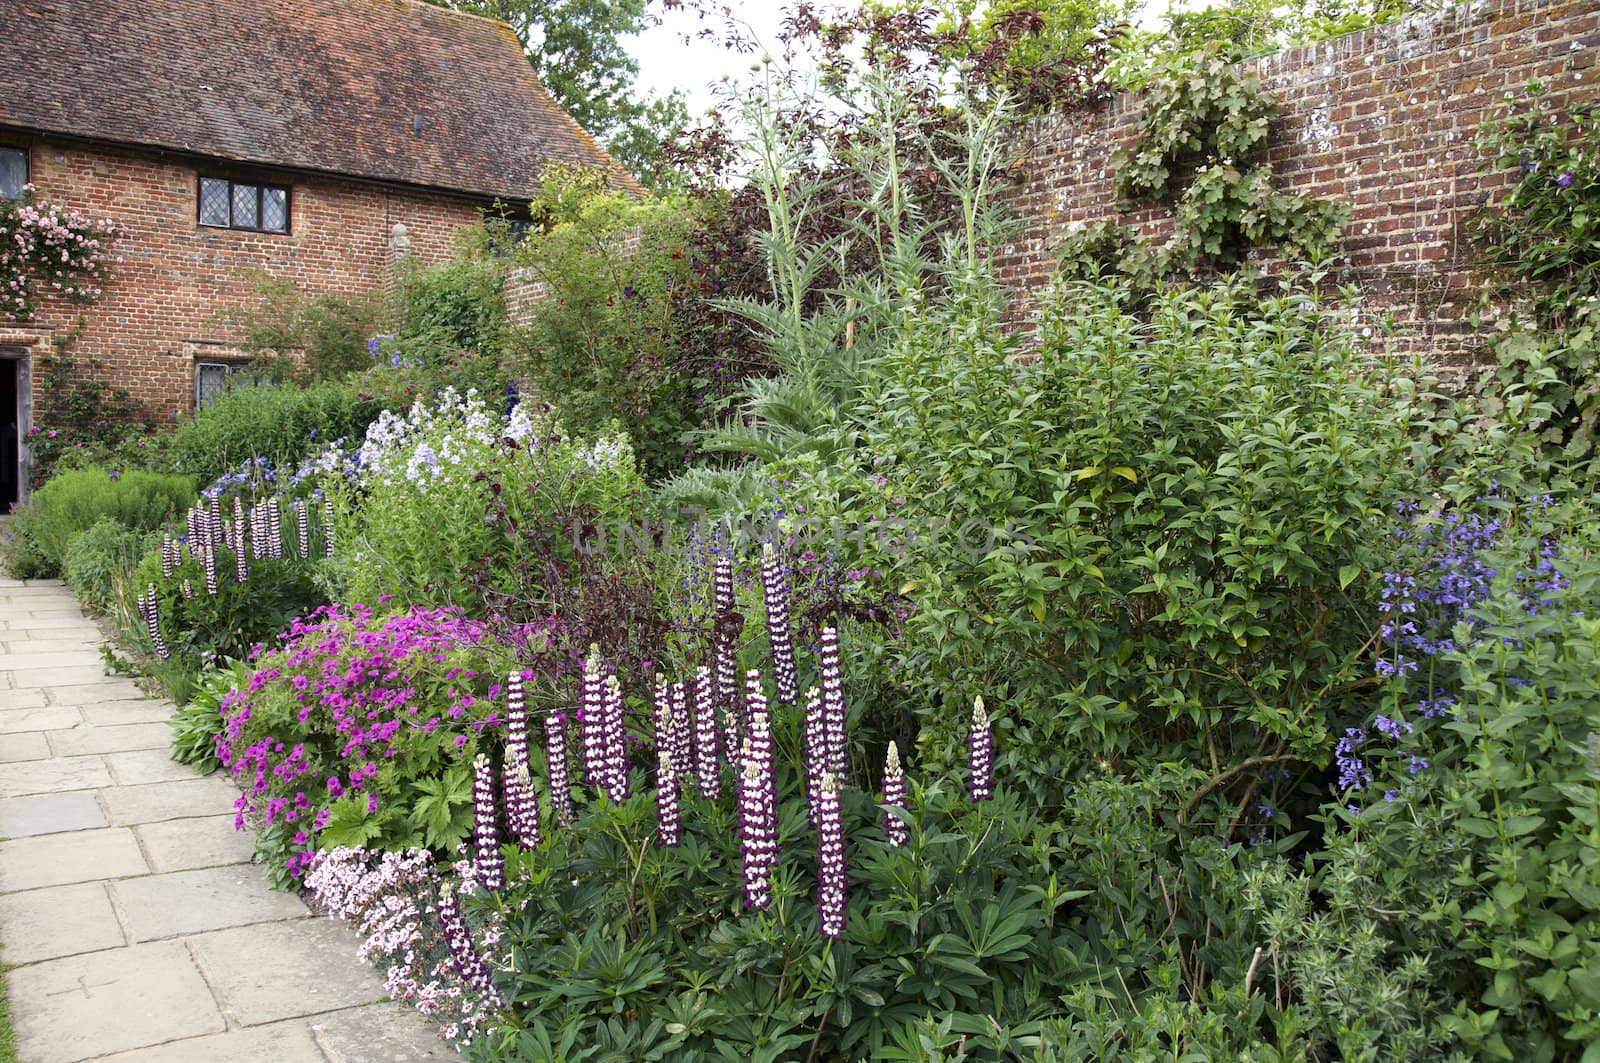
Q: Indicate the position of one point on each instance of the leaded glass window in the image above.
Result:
(213, 202)
(13, 172)
(228, 204)
(212, 379)
(275, 209)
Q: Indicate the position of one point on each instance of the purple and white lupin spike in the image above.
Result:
(208, 558)
(487, 860)
(813, 750)
(835, 744)
(661, 717)
(555, 733)
(167, 563)
(220, 529)
(522, 800)
(894, 796)
(682, 731)
(980, 755)
(274, 529)
(241, 567)
(191, 525)
(727, 654)
(775, 591)
(258, 532)
(758, 819)
(302, 529)
(591, 722)
(667, 792)
(616, 746)
(327, 526)
(469, 962)
(831, 874)
(152, 617)
(707, 751)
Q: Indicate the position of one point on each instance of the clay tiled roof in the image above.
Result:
(327, 85)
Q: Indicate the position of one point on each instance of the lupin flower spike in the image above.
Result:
(327, 526)
(894, 796)
(241, 567)
(302, 529)
(258, 532)
(187, 588)
(152, 619)
(834, 741)
(775, 591)
(980, 754)
(667, 832)
(831, 873)
(167, 564)
(591, 722)
(463, 951)
(489, 861)
(274, 529)
(555, 730)
(758, 821)
(682, 730)
(522, 800)
(616, 747)
(813, 750)
(707, 751)
(727, 653)
(208, 558)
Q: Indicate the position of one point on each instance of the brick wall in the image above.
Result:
(167, 306)
(1382, 121)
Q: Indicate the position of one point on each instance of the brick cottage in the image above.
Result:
(313, 141)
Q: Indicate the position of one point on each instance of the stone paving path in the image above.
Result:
(133, 925)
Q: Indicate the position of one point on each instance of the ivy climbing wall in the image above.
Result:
(1382, 121)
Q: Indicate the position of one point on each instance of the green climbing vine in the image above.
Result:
(1202, 149)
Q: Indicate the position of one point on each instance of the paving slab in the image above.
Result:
(31, 698)
(39, 718)
(47, 924)
(280, 970)
(83, 658)
(381, 1033)
(192, 902)
(115, 738)
(23, 745)
(58, 859)
(182, 799)
(65, 621)
(108, 688)
(53, 776)
(104, 1002)
(61, 640)
(24, 817)
(131, 710)
(185, 844)
(82, 675)
(282, 1042)
(140, 766)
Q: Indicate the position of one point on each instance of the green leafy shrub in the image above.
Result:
(414, 522)
(454, 306)
(99, 556)
(1154, 541)
(281, 423)
(291, 336)
(75, 501)
(1544, 237)
(197, 723)
(625, 328)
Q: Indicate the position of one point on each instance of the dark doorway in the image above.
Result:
(11, 438)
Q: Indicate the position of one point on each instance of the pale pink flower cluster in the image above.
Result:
(44, 247)
(389, 898)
